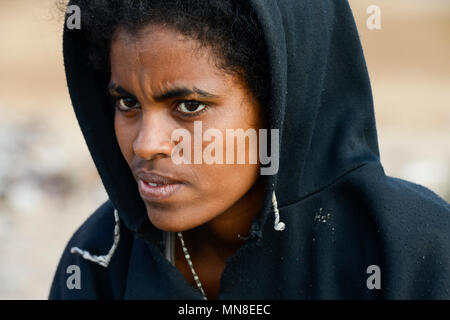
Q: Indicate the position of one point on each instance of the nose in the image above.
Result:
(153, 140)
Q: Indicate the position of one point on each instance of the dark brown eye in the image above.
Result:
(191, 106)
(127, 103)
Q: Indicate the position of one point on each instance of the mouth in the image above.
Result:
(153, 187)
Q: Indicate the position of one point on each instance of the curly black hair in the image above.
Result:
(229, 27)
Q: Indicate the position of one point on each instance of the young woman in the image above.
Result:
(326, 223)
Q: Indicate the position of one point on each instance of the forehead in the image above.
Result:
(158, 55)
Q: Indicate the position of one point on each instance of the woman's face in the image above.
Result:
(162, 81)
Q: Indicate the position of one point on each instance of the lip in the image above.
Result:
(154, 187)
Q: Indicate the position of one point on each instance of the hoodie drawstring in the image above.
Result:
(105, 259)
(278, 225)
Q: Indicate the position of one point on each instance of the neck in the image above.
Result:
(221, 233)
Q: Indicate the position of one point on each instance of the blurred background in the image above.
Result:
(49, 184)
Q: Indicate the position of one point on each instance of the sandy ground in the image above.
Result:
(49, 185)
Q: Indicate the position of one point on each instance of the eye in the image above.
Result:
(191, 107)
(126, 103)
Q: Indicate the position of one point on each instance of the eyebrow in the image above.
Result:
(176, 92)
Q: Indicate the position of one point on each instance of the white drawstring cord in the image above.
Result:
(278, 225)
(105, 259)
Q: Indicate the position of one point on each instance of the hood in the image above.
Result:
(321, 102)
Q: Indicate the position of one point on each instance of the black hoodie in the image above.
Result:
(348, 225)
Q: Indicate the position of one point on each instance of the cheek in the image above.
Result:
(125, 133)
(224, 184)
(218, 188)
(227, 181)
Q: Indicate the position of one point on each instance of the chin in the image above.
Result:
(172, 220)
